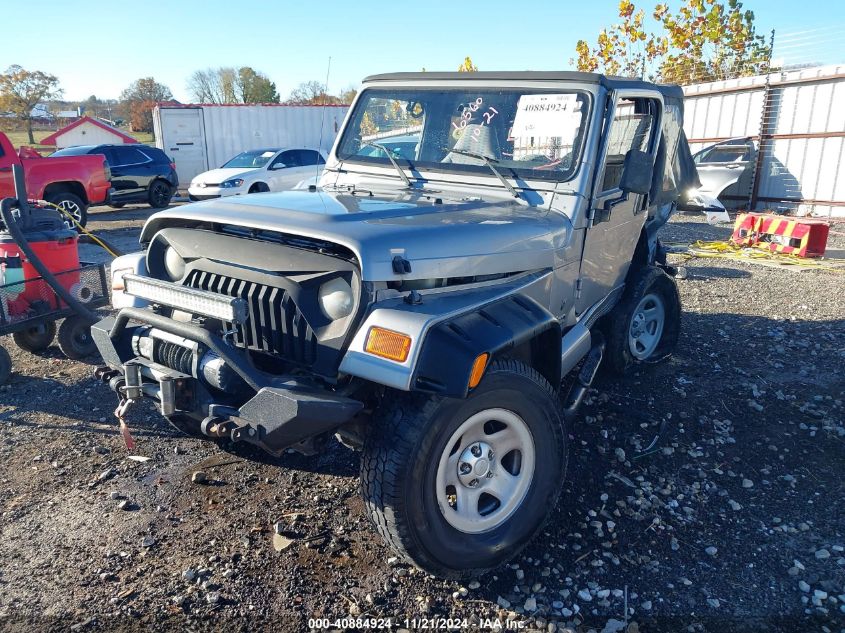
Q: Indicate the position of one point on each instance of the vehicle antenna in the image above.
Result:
(323, 113)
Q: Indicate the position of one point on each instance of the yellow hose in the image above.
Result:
(729, 250)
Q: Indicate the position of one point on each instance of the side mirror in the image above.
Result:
(277, 166)
(636, 172)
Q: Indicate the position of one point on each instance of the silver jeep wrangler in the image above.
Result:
(442, 299)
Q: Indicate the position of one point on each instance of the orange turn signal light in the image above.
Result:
(478, 367)
(388, 344)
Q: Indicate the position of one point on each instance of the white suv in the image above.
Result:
(256, 171)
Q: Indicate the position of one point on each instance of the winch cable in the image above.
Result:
(110, 249)
(22, 243)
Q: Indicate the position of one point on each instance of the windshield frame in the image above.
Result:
(463, 170)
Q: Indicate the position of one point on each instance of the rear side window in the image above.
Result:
(129, 156)
(289, 159)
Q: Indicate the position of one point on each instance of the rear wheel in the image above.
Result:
(72, 205)
(159, 194)
(644, 327)
(36, 338)
(458, 486)
(5, 365)
(75, 338)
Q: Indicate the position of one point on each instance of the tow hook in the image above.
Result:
(120, 414)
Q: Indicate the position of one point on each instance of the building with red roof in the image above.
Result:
(86, 131)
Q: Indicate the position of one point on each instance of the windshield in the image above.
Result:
(252, 159)
(530, 134)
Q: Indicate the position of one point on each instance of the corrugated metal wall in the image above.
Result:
(803, 120)
(222, 131)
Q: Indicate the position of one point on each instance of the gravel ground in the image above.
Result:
(730, 521)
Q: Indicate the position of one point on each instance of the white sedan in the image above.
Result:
(256, 171)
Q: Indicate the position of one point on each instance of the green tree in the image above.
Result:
(140, 98)
(255, 87)
(703, 41)
(21, 90)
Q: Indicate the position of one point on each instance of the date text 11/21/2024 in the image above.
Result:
(417, 624)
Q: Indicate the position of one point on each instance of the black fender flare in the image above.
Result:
(450, 347)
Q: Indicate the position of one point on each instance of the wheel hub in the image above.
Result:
(475, 464)
(485, 470)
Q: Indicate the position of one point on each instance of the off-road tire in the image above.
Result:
(400, 461)
(73, 204)
(75, 338)
(36, 338)
(159, 194)
(5, 365)
(649, 280)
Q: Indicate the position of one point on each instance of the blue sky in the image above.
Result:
(104, 46)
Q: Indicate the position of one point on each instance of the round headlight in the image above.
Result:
(335, 298)
(174, 264)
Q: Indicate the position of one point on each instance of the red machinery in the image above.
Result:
(42, 280)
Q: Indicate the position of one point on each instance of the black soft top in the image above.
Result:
(534, 75)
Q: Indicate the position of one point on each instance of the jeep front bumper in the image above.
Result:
(275, 414)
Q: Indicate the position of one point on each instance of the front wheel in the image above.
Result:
(458, 487)
(644, 327)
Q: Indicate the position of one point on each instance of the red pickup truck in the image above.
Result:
(72, 182)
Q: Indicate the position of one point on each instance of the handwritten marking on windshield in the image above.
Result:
(466, 118)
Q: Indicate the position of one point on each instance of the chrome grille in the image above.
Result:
(275, 324)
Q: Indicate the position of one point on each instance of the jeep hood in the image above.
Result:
(440, 238)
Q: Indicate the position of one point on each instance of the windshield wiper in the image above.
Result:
(489, 162)
(393, 162)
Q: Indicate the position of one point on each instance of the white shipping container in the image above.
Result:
(203, 137)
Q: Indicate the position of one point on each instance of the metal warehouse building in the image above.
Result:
(797, 120)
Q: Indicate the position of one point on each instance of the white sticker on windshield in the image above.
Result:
(267, 154)
(547, 115)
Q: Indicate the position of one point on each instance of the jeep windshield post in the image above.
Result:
(450, 333)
